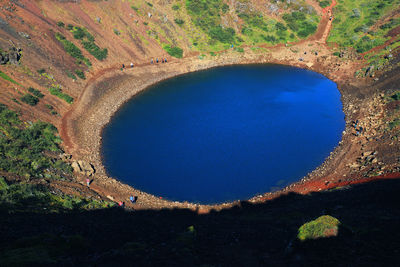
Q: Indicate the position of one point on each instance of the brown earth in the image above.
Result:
(373, 153)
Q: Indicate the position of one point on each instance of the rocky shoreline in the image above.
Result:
(105, 94)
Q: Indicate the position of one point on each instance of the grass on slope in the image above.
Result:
(174, 51)
(24, 148)
(354, 21)
(72, 49)
(299, 21)
(7, 78)
(87, 40)
(28, 197)
(57, 92)
(206, 14)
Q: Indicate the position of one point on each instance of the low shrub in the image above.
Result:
(57, 92)
(71, 75)
(35, 92)
(223, 35)
(179, 21)
(324, 226)
(80, 74)
(396, 96)
(324, 3)
(60, 24)
(69, 47)
(24, 149)
(30, 99)
(174, 51)
(93, 49)
(41, 71)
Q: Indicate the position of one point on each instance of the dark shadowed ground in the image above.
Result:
(246, 235)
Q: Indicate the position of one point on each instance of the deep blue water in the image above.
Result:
(224, 134)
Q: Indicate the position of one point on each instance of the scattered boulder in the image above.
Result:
(367, 153)
(75, 166)
(25, 35)
(12, 56)
(370, 71)
(274, 9)
(65, 156)
(354, 165)
(83, 167)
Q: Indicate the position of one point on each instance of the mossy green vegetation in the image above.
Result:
(179, 21)
(30, 99)
(15, 100)
(61, 24)
(51, 109)
(71, 75)
(354, 21)
(396, 96)
(7, 78)
(394, 123)
(87, 39)
(323, 226)
(41, 71)
(324, 3)
(174, 51)
(72, 49)
(80, 74)
(57, 92)
(35, 92)
(93, 49)
(30, 197)
(298, 23)
(206, 15)
(23, 147)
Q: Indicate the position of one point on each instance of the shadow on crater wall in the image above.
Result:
(246, 235)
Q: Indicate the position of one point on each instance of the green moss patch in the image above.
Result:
(23, 148)
(7, 78)
(324, 226)
(57, 92)
(353, 23)
(30, 99)
(174, 51)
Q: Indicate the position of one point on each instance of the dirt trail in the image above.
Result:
(326, 24)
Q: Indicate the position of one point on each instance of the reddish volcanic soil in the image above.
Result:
(369, 156)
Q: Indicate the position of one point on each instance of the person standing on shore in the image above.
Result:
(88, 182)
(133, 199)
